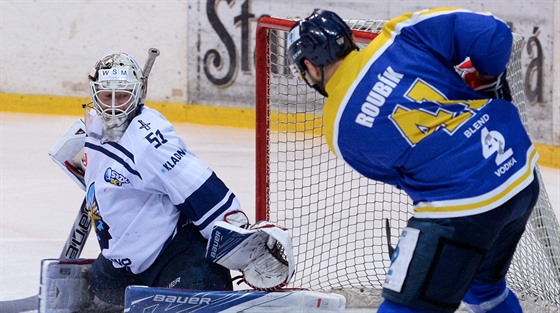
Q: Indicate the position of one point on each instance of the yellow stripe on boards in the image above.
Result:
(175, 112)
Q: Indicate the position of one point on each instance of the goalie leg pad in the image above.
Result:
(63, 285)
(139, 298)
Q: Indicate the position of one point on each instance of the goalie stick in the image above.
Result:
(82, 224)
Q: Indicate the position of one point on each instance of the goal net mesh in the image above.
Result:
(341, 222)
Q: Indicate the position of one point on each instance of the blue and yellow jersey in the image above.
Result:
(398, 112)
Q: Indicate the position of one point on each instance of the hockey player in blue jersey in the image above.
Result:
(152, 201)
(426, 107)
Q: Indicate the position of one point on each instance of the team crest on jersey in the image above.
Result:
(101, 228)
(113, 177)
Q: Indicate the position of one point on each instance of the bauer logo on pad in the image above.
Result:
(140, 298)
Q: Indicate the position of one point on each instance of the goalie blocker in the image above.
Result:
(68, 152)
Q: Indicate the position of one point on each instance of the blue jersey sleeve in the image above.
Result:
(460, 34)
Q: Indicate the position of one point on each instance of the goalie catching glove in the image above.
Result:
(495, 87)
(263, 253)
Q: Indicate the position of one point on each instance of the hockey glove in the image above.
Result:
(495, 87)
(262, 253)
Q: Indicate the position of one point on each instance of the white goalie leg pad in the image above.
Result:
(68, 152)
(156, 300)
(63, 286)
(263, 253)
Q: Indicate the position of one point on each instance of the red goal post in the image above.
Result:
(262, 78)
(341, 222)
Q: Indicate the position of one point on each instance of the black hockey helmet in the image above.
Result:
(321, 38)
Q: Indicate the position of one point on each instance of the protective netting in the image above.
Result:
(338, 218)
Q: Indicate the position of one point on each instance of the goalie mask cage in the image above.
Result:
(339, 219)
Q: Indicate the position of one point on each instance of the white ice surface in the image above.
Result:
(39, 202)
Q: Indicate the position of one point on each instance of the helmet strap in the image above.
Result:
(320, 86)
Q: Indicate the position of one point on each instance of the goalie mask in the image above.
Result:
(117, 90)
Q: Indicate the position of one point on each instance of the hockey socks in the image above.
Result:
(486, 298)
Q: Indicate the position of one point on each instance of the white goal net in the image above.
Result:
(341, 222)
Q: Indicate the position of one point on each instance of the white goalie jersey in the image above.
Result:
(137, 189)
